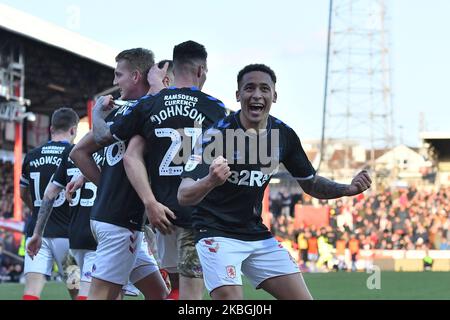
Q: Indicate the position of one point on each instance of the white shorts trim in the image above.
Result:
(85, 260)
(119, 256)
(168, 250)
(224, 259)
(52, 249)
(59, 185)
(144, 265)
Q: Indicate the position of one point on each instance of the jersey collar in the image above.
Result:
(238, 121)
(193, 88)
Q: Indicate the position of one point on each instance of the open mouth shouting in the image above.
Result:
(256, 109)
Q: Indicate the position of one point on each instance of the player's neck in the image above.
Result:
(186, 81)
(259, 127)
(59, 137)
(140, 91)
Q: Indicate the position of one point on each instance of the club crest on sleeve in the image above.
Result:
(192, 163)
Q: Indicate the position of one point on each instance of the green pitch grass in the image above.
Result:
(330, 286)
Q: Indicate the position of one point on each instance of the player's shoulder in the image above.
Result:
(50, 148)
(129, 105)
(36, 151)
(227, 122)
(214, 99)
(210, 99)
(67, 150)
(280, 125)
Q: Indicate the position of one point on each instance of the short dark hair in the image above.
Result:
(138, 58)
(187, 52)
(162, 62)
(256, 67)
(64, 118)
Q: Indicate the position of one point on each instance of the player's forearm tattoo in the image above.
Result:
(44, 214)
(322, 188)
(102, 135)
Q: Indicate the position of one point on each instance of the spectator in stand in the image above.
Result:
(325, 251)
(353, 246)
(313, 250)
(341, 245)
(295, 199)
(15, 273)
(285, 203)
(420, 235)
(331, 235)
(275, 205)
(444, 245)
(6, 189)
(398, 226)
(302, 244)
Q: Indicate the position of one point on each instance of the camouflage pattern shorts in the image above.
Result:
(188, 262)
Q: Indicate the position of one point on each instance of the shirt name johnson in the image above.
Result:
(179, 105)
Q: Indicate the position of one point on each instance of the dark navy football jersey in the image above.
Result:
(234, 209)
(80, 234)
(117, 202)
(171, 122)
(38, 168)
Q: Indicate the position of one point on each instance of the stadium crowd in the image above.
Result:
(10, 268)
(6, 189)
(405, 219)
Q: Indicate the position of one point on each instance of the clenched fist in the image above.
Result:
(219, 171)
(360, 183)
(104, 105)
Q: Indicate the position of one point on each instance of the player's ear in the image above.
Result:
(136, 76)
(166, 81)
(275, 96)
(73, 131)
(199, 71)
(238, 96)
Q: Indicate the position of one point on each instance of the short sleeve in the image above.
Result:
(130, 124)
(296, 161)
(60, 176)
(196, 167)
(24, 178)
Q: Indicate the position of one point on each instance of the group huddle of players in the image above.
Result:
(170, 160)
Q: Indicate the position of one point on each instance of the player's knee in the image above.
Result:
(160, 294)
(155, 292)
(34, 283)
(227, 293)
